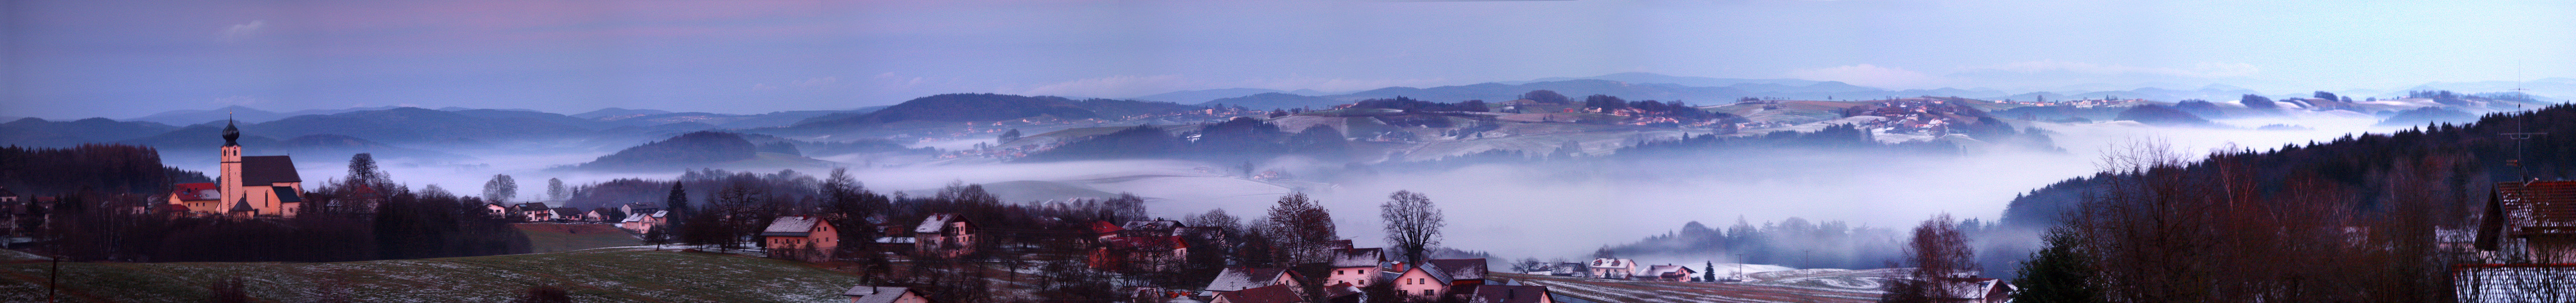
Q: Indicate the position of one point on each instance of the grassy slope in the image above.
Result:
(1792, 112)
(546, 238)
(613, 275)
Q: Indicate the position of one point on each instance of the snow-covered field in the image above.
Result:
(1604, 290)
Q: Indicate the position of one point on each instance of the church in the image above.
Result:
(260, 186)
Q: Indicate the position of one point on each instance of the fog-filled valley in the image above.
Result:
(1515, 182)
(968, 151)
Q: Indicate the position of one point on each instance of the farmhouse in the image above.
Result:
(801, 238)
(1607, 268)
(644, 222)
(1149, 246)
(943, 235)
(1423, 282)
(1673, 273)
(536, 211)
(1357, 267)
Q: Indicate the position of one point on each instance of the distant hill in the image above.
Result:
(2549, 89)
(1638, 77)
(201, 137)
(2160, 115)
(1498, 92)
(1031, 191)
(2428, 115)
(992, 107)
(39, 132)
(624, 117)
(1202, 96)
(607, 275)
(327, 147)
(418, 125)
(613, 113)
(195, 116)
(1265, 101)
(707, 149)
(530, 115)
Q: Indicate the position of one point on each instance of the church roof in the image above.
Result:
(243, 205)
(265, 170)
(287, 194)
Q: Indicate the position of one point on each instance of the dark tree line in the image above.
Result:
(1674, 109)
(89, 169)
(1239, 139)
(1412, 105)
(1842, 137)
(2359, 163)
(2159, 229)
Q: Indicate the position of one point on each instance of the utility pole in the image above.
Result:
(54, 279)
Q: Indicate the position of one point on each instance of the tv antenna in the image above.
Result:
(2521, 141)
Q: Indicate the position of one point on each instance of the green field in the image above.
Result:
(546, 238)
(605, 275)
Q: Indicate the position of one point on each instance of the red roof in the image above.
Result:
(196, 192)
(1147, 243)
(1104, 227)
(1264, 294)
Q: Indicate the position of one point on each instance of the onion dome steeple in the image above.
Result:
(231, 134)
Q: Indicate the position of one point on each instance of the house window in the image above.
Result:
(1426, 292)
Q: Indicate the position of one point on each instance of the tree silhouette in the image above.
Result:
(1412, 224)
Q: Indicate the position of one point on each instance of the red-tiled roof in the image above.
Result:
(196, 192)
(2547, 207)
(1104, 227)
(1264, 294)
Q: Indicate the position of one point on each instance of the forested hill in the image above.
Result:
(697, 148)
(2362, 172)
(993, 107)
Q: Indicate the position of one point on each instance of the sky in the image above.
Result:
(125, 59)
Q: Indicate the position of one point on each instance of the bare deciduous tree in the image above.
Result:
(501, 189)
(555, 190)
(1940, 255)
(1302, 229)
(1412, 223)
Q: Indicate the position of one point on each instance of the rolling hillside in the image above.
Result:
(609, 275)
(991, 107)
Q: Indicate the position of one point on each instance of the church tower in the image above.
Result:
(231, 178)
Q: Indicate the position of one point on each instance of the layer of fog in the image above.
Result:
(1512, 210)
